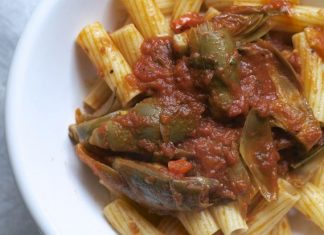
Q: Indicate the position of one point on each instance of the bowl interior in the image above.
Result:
(49, 78)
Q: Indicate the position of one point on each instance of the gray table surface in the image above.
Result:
(14, 217)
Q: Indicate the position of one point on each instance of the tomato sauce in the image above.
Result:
(212, 148)
(186, 21)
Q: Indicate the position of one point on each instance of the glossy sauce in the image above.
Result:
(212, 148)
(186, 21)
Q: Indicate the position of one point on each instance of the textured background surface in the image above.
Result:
(14, 217)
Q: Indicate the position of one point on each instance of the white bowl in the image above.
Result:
(47, 82)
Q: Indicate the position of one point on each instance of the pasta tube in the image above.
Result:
(259, 2)
(229, 218)
(266, 215)
(98, 95)
(311, 204)
(126, 220)
(299, 18)
(318, 179)
(282, 228)
(166, 6)
(182, 7)
(219, 4)
(171, 226)
(147, 17)
(110, 64)
(201, 222)
(129, 41)
(211, 13)
(312, 75)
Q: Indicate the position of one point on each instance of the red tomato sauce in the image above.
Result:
(186, 21)
(212, 148)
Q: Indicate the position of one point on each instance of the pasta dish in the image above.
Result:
(206, 116)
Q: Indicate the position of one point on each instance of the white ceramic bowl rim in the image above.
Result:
(14, 78)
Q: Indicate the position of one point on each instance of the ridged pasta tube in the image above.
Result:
(129, 41)
(147, 17)
(266, 215)
(198, 222)
(312, 75)
(282, 228)
(229, 218)
(171, 226)
(98, 95)
(110, 63)
(182, 7)
(311, 204)
(127, 221)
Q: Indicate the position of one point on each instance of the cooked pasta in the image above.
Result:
(220, 4)
(147, 17)
(126, 220)
(318, 178)
(184, 6)
(268, 214)
(211, 13)
(110, 64)
(312, 75)
(300, 17)
(171, 226)
(166, 6)
(282, 228)
(129, 41)
(311, 204)
(208, 116)
(229, 218)
(98, 95)
(198, 222)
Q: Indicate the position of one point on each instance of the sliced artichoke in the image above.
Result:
(259, 154)
(118, 135)
(215, 49)
(290, 110)
(152, 186)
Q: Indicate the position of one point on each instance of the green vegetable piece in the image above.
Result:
(259, 154)
(116, 136)
(215, 48)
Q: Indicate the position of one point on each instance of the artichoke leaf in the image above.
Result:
(259, 154)
(148, 127)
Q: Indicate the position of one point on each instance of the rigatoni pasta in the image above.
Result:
(267, 214)
(110, 64)
(201, 222)
(312, 75)
(300, 17)
(311, 204)
(147, 17)
(126, 220)
(207, 99)
(318, 178)
(129, 41)
(211, 13)
(229, 218)
(98, 95)
(171, 226)
(184, 6)
(282, 228)
(166, 6)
